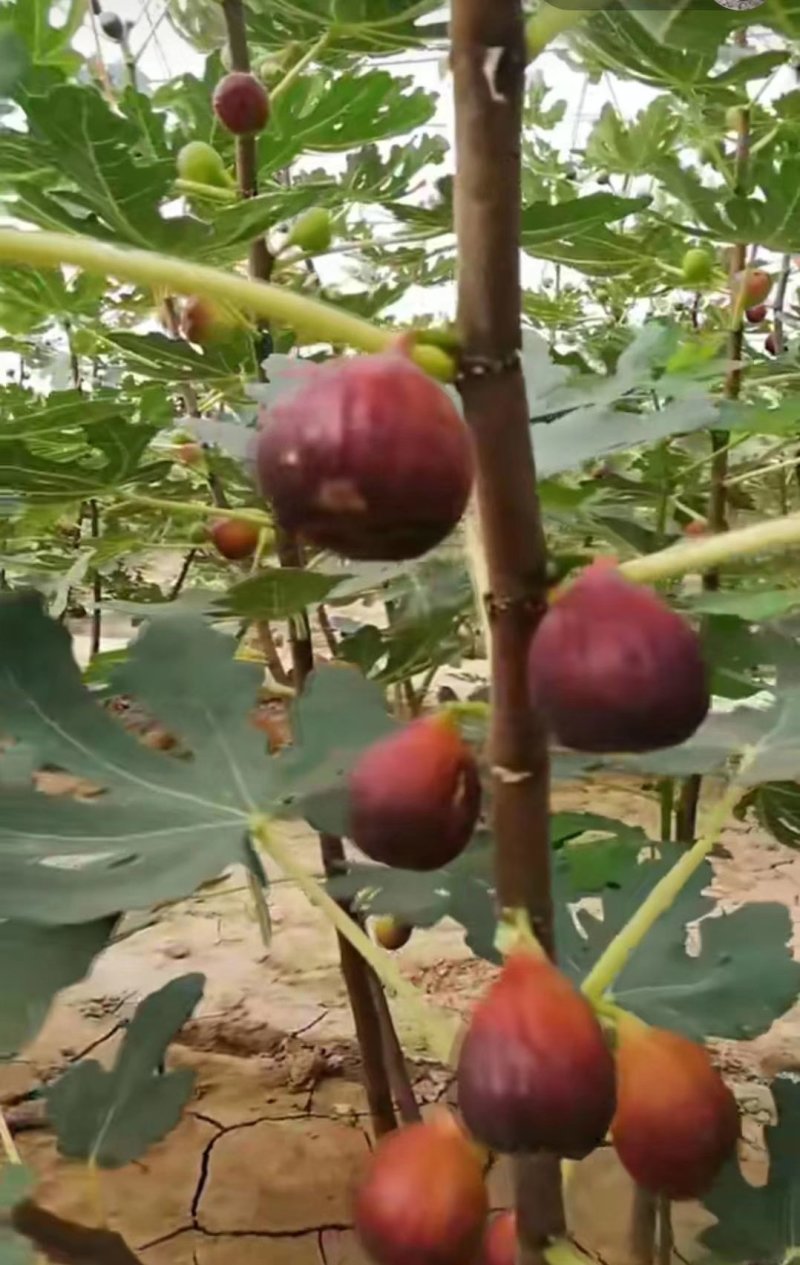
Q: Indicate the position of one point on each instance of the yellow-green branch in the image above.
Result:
(318, 322)
(711, 551)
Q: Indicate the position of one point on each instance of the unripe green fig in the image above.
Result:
(757, 284)
(697, 266)
(733, 116)
(423, 1200)
(312, 231)
(415, 796)
(500, 1241)
(390, 933)
(204, 322)
(201, 164)
(241, 103)
(613, 668)
(234, 539)
(534, 1070)
(199, 534)
(369, 458)
(676, 1121)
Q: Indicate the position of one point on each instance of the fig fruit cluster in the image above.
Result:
(613, 668)
(536, 1073)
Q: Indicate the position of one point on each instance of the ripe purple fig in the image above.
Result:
(771, 345)
(757, 314)
(241, 103)
(676, 1122)
(614, 669)
(369, 458)
(423, 1200)
(234, 538)
(415, 796)
(534, 1071)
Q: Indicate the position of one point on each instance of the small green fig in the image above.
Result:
(423, 1200)
(676, 1121)
(202, 164)
(312, 231)
(415, 796)
(534, 1070)
(697, 266)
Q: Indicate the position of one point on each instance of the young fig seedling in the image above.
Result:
(534, 1071)
(415, 796)
(676, 1121)
(368, 458)
(241, 103)
(613, 668)
(423, 1199)
(234, 539)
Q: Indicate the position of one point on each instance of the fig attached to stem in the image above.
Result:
(423, 1199)
(234, 539)
(390, 933)
(676, 1121)
(241, 103)
(613, 668)
(415, 796)
(534, 1071)
(369, 458)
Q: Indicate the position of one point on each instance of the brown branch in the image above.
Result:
(97, 585)
(488, 61)
(396, 1066)
(355, 971)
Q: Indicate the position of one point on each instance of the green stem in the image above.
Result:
(319, 322)
(438, 1028)
(701, 554)
(300, 65)
(256, 517)
(213, 192)
(660, 899)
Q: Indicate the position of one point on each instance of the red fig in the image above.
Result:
(390, 933)
(677, 1121)
(423, 1200)
(535, 1072)
(614, 669)
(415, 796)
(757, 285)
(500, 1241)
(771, 345)
(370, 458)
(241, 103)
(756, 315)
(234, 539)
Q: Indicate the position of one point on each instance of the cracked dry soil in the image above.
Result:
(261, 1168)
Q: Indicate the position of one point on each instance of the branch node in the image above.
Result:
(510, 777)
(530, 604)
(475, 366)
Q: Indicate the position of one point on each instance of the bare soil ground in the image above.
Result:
(260, 1171)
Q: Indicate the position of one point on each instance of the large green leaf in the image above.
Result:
(74, 471)
(46, 959)
(762, 1223)
(374, 27)
(777, 808)
(110, 1118)
(161, 824)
